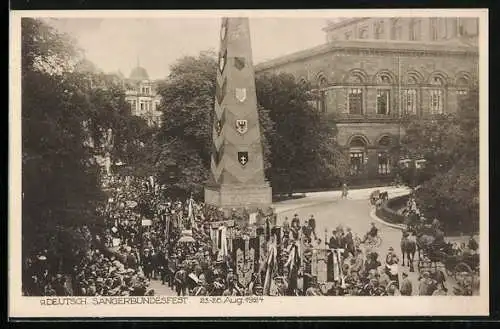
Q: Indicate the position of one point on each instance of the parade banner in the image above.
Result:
(271, 267)
(246, 254)
(221, 242)
(227, 223)
(334, 265)
(252, 218)
(320, 265)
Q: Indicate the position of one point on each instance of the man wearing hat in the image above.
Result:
(286, 228)
(406, 286)
(295, 220)
(313, 289)
(200, 289)
(312, 224)
(427, 285)
(359, 261)
(335, 241)
(348, 241)
(180, 280)
(392, 267)
(230, 276)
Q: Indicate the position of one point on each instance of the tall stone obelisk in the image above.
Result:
(237, 164)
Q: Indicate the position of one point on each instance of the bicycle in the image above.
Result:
(373, 242)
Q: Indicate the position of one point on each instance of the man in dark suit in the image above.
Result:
(335, 241)
(348, 241)
(312, 225)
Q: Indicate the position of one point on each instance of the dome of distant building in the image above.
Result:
(139, 73)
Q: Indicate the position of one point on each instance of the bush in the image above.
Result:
(389, 210)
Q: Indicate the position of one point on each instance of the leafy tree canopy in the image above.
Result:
(68, 108)
(298, 142)
(449, 182)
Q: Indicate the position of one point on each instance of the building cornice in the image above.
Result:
(345, 22)
(378, 47)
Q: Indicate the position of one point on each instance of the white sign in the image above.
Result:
(252, 219)
(116, 242)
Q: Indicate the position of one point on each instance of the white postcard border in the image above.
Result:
(20, 306)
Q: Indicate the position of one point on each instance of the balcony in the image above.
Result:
(359, 118)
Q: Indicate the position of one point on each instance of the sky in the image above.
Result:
(115, 44)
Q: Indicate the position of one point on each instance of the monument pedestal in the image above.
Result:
(251, 197)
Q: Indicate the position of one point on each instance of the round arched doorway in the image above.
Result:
(357, 155)
(383, 156)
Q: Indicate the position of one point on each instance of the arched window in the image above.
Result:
(384, 82)
(462, 90)
(437, 95)
(357, 155)
(384, 141)
(409, 96)
(355, 92)
(322, 83)
(383, 155)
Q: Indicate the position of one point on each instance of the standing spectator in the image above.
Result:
(349, 241)
(406, 286)
(335, 241)
(180, 279)
(286, 228)
(295, 220)
(312, 225)
(440, 291)
(427, 285)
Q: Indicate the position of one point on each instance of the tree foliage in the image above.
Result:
(66, 112)
(303, 151)
(449, 182)
(297, 142)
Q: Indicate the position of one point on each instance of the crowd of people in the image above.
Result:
(175, 246)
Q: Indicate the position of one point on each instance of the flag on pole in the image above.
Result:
(336, 265)
(271, 267)
(221, 242)
(190, 212)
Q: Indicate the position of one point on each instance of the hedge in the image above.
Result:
(389, 210)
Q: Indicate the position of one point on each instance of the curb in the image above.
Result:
(376, 218)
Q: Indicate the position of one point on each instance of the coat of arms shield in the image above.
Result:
(241, 94)
(222, 62)
(242, 126)
(218, 127)
(243, 158)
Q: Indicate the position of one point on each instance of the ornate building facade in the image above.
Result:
(403, 28)
(141, 94)
(371, 86)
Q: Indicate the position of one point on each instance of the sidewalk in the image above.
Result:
(314, 198)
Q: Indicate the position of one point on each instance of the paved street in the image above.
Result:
(331, 211)
(162, 289)
(354, 212)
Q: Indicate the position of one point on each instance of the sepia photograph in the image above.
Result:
(227, 158)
